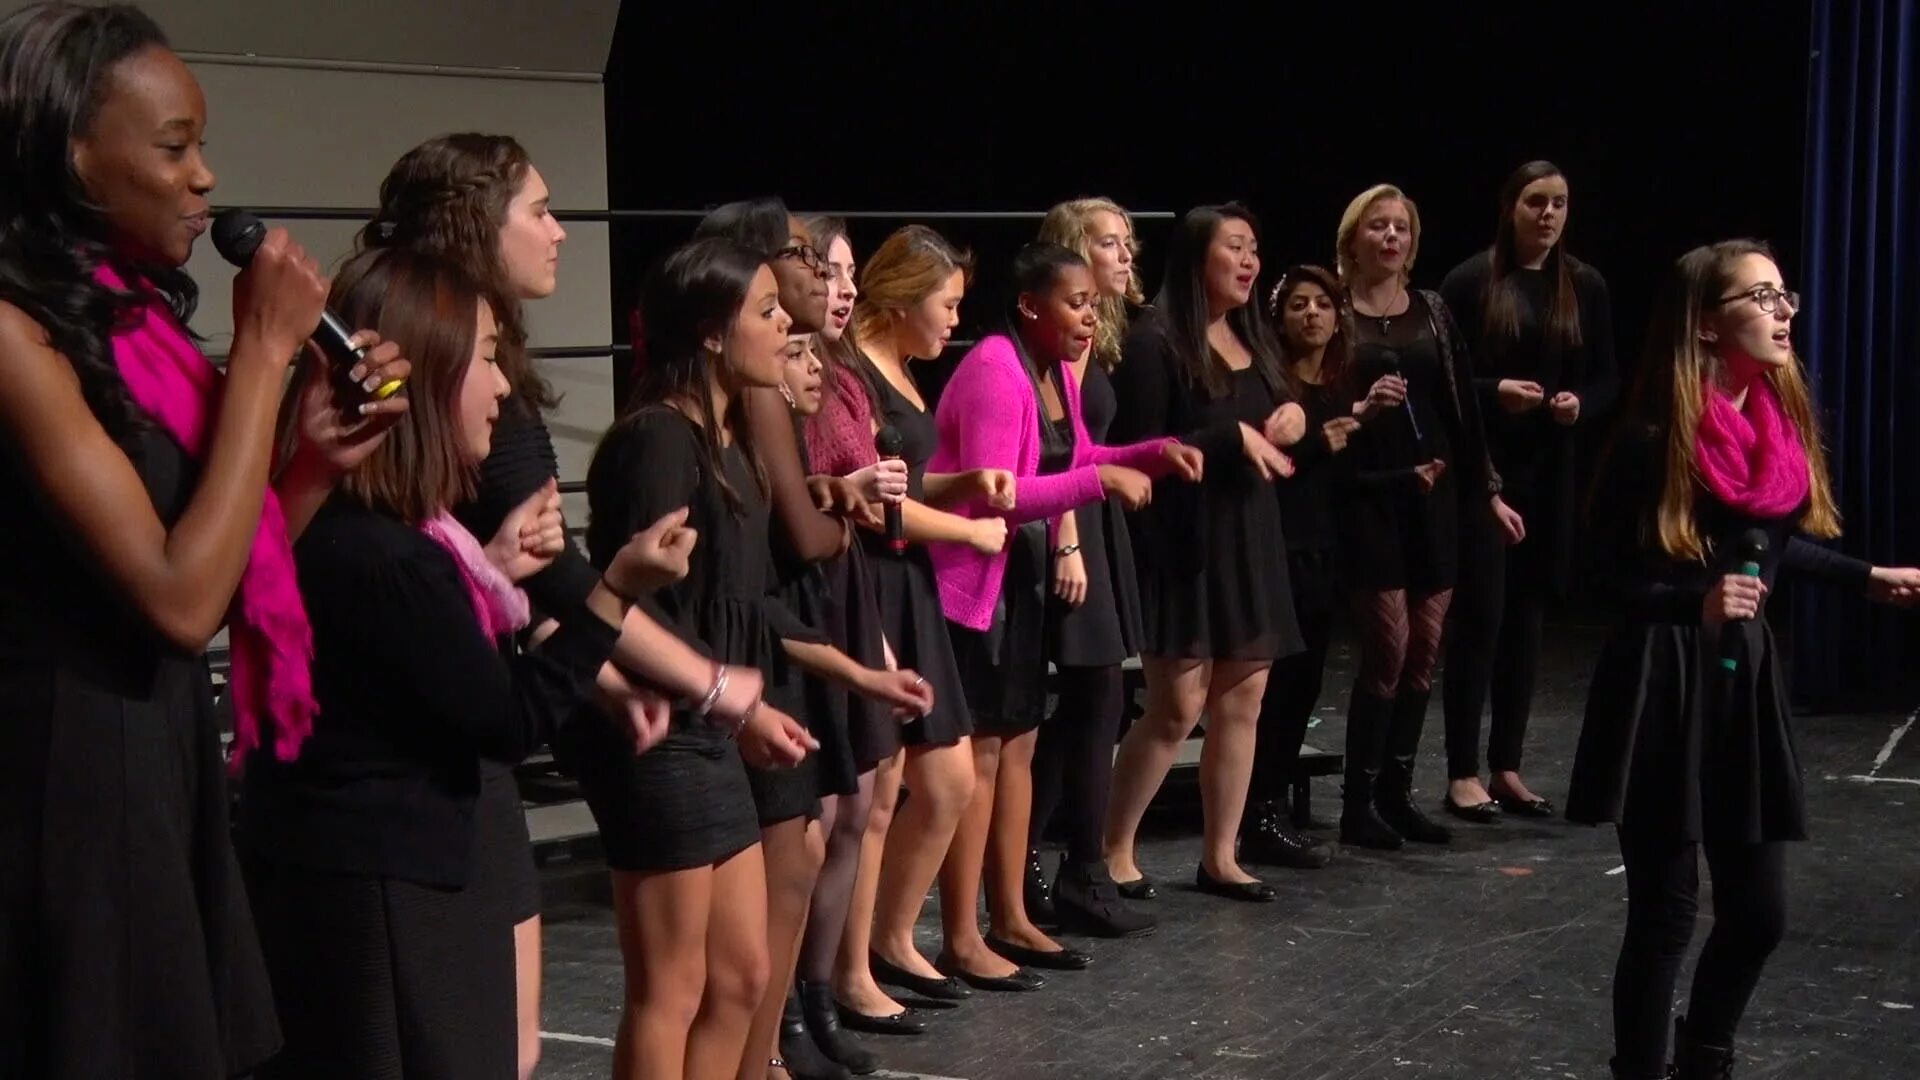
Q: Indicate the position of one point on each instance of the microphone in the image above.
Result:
(1392, 361)
(888, 444)
(1753, 548)
(237, 235)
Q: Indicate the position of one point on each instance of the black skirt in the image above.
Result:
(1105, 628)
(1675, 748)
(915, 626)
(684, 803)
(505, 863)
(1005, 665)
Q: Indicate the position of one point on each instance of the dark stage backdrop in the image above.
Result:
(1677, 124)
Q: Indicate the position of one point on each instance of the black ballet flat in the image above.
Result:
(1485, 813)
(1250, 892)
(1533, 808)
(1140, 888)
(887, 973)
(1063, 959)
(1020, 982)
(904, 1022)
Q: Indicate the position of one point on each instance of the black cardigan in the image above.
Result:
(412, 696)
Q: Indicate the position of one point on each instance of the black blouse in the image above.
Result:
(522, 459)
(412, 696)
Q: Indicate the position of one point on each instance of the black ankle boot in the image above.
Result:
(1267, 837)
(1038, 891)
(822, 1017)
(1695, 1060)
(1393, 793)
(803, 1058)
(1360, 823)
(1086, 901)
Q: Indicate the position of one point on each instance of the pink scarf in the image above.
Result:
(499, 604)
(267, 630)
(1751, 460)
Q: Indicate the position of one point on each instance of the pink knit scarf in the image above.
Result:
(1751, 459)
(267, 630)
(498, 604)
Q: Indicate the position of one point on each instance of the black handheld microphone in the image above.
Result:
(887, 444)
(1392, 361)
(1753, 548)
(237, 235)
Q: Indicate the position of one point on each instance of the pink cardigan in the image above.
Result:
(989, 418)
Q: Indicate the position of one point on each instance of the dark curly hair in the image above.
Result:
(447, 198)
(55, 60)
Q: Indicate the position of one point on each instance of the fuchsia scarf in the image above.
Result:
(501, 606)
(267, 630)
(1751, 459)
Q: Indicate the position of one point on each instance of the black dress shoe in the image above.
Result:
(1021, 981)
(887, 973)
(1485, 813)
(1140, 888)
(1533, 808)
(1062, 959)
(1251, 892)
(904, 1022)
(823, 1023)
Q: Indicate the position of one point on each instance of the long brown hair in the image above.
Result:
(1334, 363)
(1670, 393)
(1500, 306)
(1070, 224)
(448, 198)
(907, 267)
(430, 308)
(841, 354)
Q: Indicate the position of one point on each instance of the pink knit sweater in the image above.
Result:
(988, 418)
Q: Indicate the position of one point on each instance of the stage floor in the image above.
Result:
(1492, 957)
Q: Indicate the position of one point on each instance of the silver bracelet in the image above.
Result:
(713, 693)
(739, 725)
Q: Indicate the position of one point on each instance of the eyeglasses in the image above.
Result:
(1766, 297)
(809, 257)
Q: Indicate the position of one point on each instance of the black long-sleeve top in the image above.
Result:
(521, 460)
(412, 696)
(1306, 497)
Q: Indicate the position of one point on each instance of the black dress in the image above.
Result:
(1212, 565)
(1105, 628)
(379, 860)
(687, 801)
(1672, 749)
(910, 609)
(1394, 535)
(126, 945)
(1534, 455)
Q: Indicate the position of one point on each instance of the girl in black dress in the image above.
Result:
(1540, 328)
(679, 823)
(1202, 367)
(478, 201)
(140, 516)
(369, 859)
(1419, 444)
(1316, 342)
(1688, 745)
(1093, 612)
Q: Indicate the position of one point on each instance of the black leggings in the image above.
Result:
(1493, 650)
(1663, 889)
(1073, 759)
(1293, 690)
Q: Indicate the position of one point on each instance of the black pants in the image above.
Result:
(1663, 888)
(1294, 684)
(1493, 648)
(1073, 758)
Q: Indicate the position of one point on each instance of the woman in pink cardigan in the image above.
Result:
(1009, 406)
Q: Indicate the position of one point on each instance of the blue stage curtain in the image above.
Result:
(1859, 333)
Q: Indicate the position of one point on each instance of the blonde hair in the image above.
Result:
(905, 269)
(1356, 216)
(1670, 394)
(1071, 225)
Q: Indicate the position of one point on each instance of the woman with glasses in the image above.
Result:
(1540, 326)
(1688, 749)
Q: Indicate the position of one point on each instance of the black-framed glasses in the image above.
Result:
(808, 255)
(1767, 297)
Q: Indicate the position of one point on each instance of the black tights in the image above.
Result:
(1073, 759)
(1663, 888)
(1293, 690)
(1493, 649)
